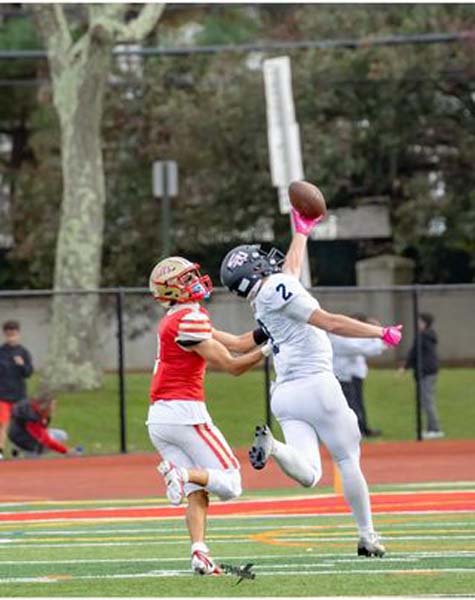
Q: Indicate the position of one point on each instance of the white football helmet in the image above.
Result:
(177, 280)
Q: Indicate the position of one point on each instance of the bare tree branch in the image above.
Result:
(142, 25)
(54, 30)
(105, 20)
(112, 12)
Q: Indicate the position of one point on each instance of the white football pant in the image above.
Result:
(200, 446)
(313, 409)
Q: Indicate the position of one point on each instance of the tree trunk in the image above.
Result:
(79, 69)
(78, 96)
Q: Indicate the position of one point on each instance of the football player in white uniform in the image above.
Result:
(307, 399)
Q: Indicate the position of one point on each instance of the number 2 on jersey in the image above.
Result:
(285, 294)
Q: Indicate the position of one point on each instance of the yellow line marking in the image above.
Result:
(121, 538)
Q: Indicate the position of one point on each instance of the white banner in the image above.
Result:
(283, 133)
(283, 136)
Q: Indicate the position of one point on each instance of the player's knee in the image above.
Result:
(232, 487)
(225, 484)
(198, 497)
(313, 478)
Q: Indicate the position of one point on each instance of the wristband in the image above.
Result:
(266, 349)
(259, 336)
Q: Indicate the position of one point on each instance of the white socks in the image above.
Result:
(357, 495)
(200, 547)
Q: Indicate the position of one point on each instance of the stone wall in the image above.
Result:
(452, 306)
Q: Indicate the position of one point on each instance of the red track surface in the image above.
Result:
(313, 505)
(134, 476)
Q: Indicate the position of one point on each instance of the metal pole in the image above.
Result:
(120, 356)
(267, 391)
(418, 365)
(166, 216)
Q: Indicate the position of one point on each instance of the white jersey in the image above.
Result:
(282, 308)
(349, 355)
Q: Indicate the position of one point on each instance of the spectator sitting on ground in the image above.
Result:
(15, 367)
(28, 430)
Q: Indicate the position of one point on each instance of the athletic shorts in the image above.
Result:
(198, 446)
(5, 412)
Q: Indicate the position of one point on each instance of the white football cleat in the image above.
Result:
(261, 448)
(432, 435)
(175, 480)
(203, 564)
(371, 546)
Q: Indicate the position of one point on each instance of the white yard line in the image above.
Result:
(243, 527)
(187, 573)
(15, 543)
(248, 517)
(333, 557)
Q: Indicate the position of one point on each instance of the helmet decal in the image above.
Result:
(237, 260)
(244, 285)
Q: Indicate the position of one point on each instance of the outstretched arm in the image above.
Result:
(301, 226)
(343, 325)
(218, 356)
(348, 327)
(295, 255)
(240, 343)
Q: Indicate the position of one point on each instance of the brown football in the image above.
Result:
(307, 199)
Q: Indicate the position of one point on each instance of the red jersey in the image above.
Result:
(179, 373)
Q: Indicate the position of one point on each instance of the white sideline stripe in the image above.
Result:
(247, 517)
(314, 567)
(434, 484)
(333, 557)
(324, 563)
(244, 527)
(393, 538)
(188, 573)
(107, 544)
(421, 571)
(13, 542)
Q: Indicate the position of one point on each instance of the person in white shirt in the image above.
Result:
(307, 399)
(351, 369)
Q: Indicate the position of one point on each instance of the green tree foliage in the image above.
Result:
(394, 122)
(18, 103)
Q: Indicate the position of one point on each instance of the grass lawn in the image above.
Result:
(237, 405)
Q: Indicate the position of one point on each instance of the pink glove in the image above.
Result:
(392, 335)
(303, 224)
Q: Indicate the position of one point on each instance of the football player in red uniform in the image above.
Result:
(196, 459)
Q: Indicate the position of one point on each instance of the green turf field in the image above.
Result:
(237, 405)
(292, 556)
